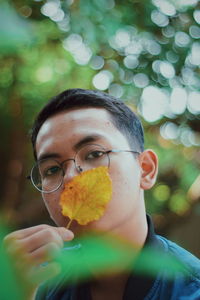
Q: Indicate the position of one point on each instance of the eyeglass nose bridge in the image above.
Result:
(78, 168)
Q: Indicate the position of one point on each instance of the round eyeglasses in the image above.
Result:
(47, 174)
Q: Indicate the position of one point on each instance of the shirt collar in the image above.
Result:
(151, 238)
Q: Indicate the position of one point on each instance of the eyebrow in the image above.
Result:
(87, 139)
(48, 155)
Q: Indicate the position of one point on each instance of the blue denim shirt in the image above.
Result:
(182, 287)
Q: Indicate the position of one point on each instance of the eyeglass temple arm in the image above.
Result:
(116, 150)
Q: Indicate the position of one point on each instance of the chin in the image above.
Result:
(99, 226)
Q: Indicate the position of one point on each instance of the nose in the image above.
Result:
(70, 170)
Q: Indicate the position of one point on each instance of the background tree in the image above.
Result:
(145, 52)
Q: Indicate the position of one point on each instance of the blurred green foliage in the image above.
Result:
(81, 259)
(8, 275)
(145, 52)
(103, 254)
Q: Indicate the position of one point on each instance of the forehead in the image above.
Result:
(69, 126)
(78, 120)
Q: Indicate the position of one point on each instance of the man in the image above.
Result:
(71, 122)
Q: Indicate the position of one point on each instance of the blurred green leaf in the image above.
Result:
(10, 287)
(97, 254)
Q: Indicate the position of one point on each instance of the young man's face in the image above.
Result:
(61, 133)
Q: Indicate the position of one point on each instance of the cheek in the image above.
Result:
(51, 200)
(52, 204)
(125, 181)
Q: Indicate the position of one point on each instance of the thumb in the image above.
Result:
(66, 234)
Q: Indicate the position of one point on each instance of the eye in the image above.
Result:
(95, 154)
(51, 171)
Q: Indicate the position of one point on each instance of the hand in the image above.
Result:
(32, 246)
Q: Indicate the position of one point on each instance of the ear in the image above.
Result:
(149, 168)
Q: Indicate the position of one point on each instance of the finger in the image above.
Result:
(66, 234)
(38, 246)
(19, 248)
(23, 233)
(39, 239)
(43, 237)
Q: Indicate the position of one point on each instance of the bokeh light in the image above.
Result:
(182, 39)
(52, 9)
(178, 100)
(159, 18)
(194, 102)
(116, 90)
(75, 45)
(131, 61)
(196, 15)
(141, 80)
(167, 69)
(169, 131)
(102, 80)
(97, 62)
(153, 103)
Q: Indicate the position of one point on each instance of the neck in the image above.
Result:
(112, 285)
(134, 228)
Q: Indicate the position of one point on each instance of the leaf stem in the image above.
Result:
(69, 223)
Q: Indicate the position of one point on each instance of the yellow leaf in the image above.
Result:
(84, 198)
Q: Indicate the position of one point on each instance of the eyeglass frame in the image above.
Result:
(107, 152)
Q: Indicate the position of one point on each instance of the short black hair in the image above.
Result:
(122, 117)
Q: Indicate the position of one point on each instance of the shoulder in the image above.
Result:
(190, 263)
(184, 281)
(179, 273)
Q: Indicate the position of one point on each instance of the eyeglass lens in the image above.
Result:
(47, 175)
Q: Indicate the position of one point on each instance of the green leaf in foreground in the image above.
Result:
(10, 287)
(97, 254)
(87, 257)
